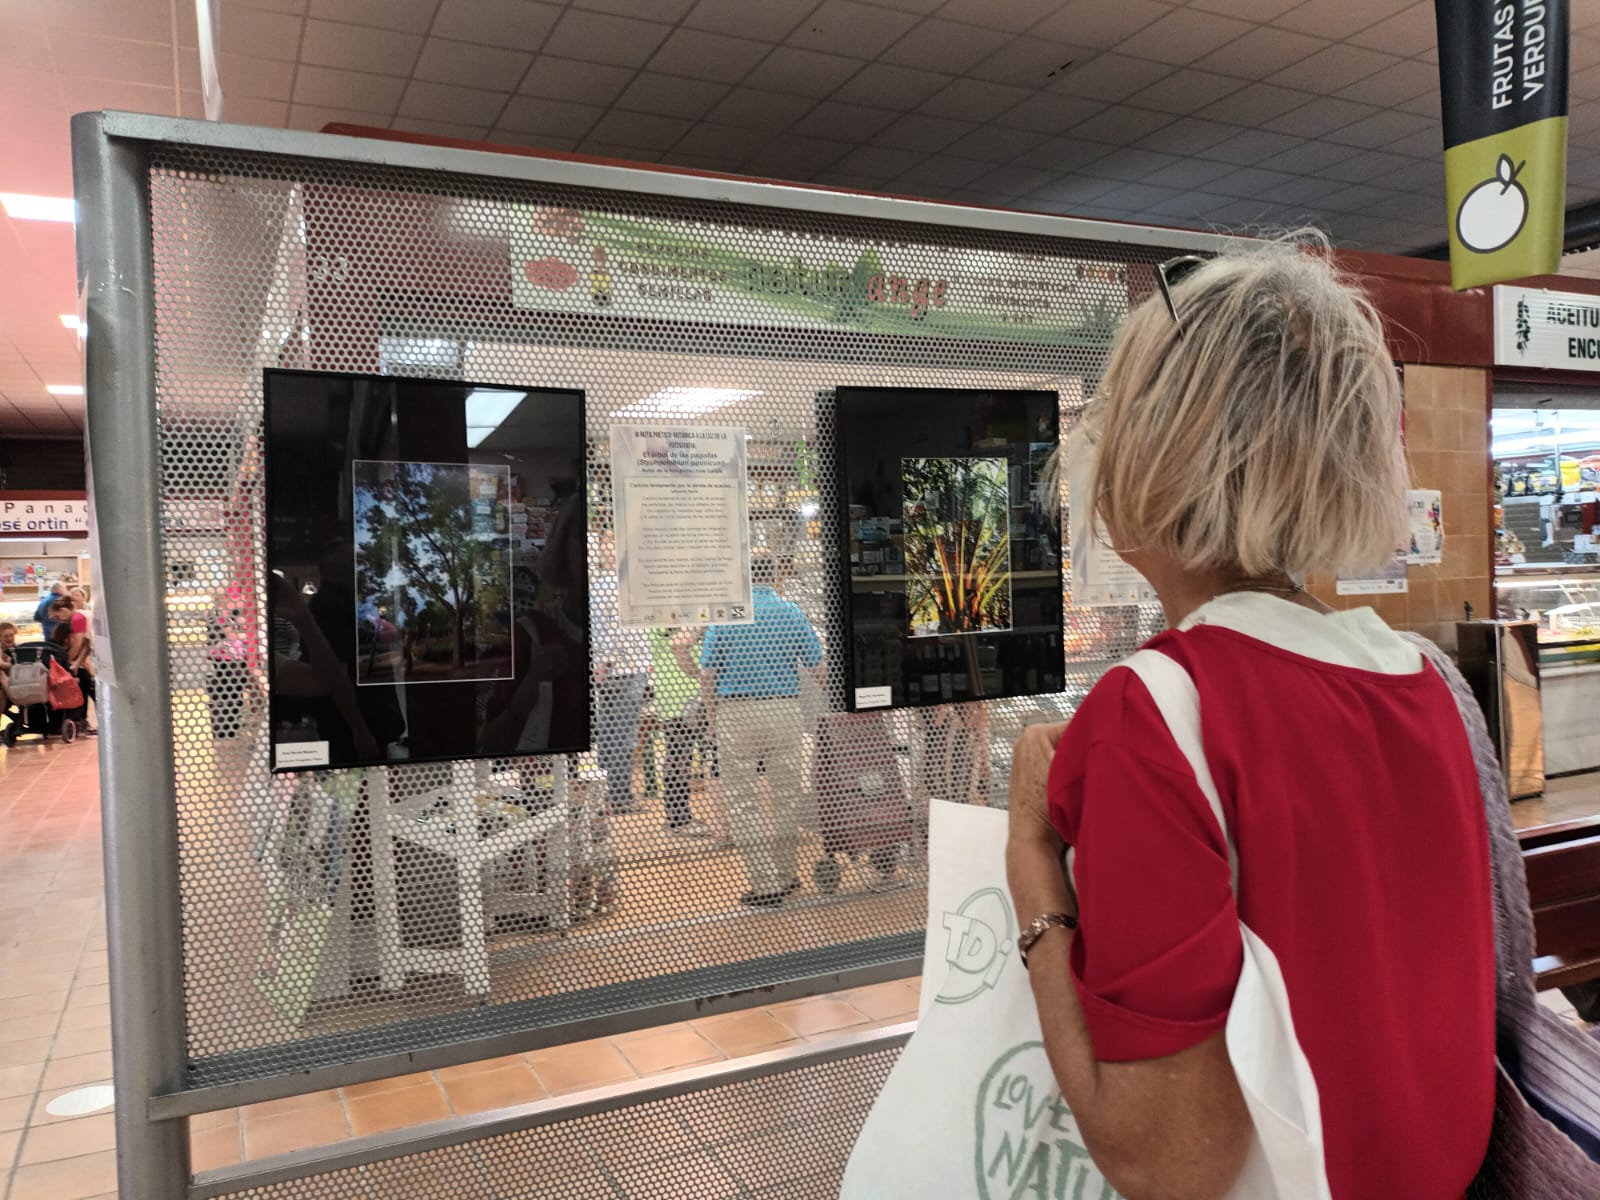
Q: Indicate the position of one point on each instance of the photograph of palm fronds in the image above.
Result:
(957, 526)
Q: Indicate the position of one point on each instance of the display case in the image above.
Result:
(1564, 605)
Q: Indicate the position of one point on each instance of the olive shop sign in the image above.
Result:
(1554, 330)
(572, 260)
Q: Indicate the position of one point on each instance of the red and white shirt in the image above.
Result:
(1349, 785)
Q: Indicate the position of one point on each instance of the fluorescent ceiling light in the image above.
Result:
(685, 401)
(39, 208)
(64, 389)
(486, 408)
(70, 320)
(31, 538)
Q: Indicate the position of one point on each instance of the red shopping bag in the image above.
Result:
(64, 689)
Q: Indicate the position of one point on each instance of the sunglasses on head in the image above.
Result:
(1169, 275)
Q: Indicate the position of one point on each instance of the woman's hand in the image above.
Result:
(1028, 796)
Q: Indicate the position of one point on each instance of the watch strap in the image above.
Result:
(1036, 928)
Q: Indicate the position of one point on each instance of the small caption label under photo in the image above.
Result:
(291, 755)
(874, 697)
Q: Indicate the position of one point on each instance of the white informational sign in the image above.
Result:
(1388, 581)
(42, 515)
(1554, 330)
(1425, 523)
(1096, 577)
(683, 527)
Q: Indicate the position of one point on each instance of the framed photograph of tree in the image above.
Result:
(427, 573)
(950, 556)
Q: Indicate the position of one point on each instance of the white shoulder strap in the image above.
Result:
(1178, 701)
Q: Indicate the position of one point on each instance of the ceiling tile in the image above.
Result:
(604, 38)
(922, 134)
(1395, 84)
(1246, 107)
(558, 118)
(879, 162)
(947, 171)
(252, 110)
(260, 78)
(1049, 113)
(458, 105)
(937, 45)
(143, 20)
(1184, 91)
(1382, 129)
(1184, 35)
(260, 34)
(566, 79)
(1189, 173)
(471, 133)
(357, 48)
(1336, 19)
(802, 72)
(1328, 70)
(1250, 182)
(1065, 155)
(1109, 77)
(921, 7)
(1099, 23)
(645, 130)
(531, 141)
(1030, 61)
(624, 153)
(1421, 175)
(1246, 10)
(1014, 180)
(406, 16)
(1130, 166)
(1317, 118)
(700, 55)
(989, 143)
(749, 108)
(973, 100)
(1121, 126)
(92, 57)
(1078, 189)
(853, 122)
(514, 24)
(469, 65)
(885, 86)
(805, 153)
(1012, 15)
(310, 117)
(1307, 157)
(1260, 52)
(1250, 147)
(82, 95)
(858, 30)
(671, 96)
(721, 140)
(767, 21)
(1374, 165)
(1132, 197)
(325, 87)
(1353, 198)
(26, 48)
(701, 162)
(666, 11)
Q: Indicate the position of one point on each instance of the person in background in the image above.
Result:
(8, 643)
(70, 630)
(41, 614)
(673, 679)
(1247, 435)
(755, 677)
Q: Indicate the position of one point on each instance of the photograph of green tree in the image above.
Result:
(957, 532)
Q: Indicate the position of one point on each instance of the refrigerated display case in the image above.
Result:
(1562, 608)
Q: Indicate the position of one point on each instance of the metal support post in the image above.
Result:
(139, 813)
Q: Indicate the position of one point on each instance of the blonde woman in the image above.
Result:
(1247, 435)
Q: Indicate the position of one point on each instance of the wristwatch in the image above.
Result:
(1035, 928)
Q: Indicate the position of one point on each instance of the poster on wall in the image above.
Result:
(957, 529)
(1097, 577)
(683, 526)
(1388, 580)
(1425, 525)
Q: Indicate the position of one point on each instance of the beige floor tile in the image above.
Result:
(882, 1001)
(92, 1017)
(218, 1147)
(69, 1139)
(398, 1109)
(318, 1126)
(87, 996)
(9, 1140)
(28, 1050)
(31, 1005)
(67, 1179)
(72, 1042)
(213, 1120)
(580, 1066)
(666, 1049)
(14, 1111)
(817, 1014)
(501, 1087)
(287, 1104)
(39, 1025)
(28, 983)
(448, 1075)
(378, 1087)
(77, 1070)
(740, 1033)
(17, 1081)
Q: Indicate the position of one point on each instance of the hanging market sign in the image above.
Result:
(1538, 328)
(44, 513)
(1503, 94)
(571, 260)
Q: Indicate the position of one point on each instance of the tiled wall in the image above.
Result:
(1447, 442)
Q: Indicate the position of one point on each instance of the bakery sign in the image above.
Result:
(44, 514)
(580, 260)
(1534, 327)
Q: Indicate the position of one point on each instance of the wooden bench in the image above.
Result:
(1563, 865)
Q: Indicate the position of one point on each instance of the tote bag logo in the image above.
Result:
(978, 942)
(1028, 1147)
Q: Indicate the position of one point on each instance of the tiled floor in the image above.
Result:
(55, 1017)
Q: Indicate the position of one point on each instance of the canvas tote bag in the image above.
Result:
(971, 1110)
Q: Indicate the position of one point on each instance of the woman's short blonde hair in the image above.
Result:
(1267, 437)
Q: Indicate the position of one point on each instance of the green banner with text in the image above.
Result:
(1503, 94)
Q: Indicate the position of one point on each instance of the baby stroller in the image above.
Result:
(33, 710)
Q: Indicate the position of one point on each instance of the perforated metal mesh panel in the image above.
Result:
(782, 1137)
(320, 925)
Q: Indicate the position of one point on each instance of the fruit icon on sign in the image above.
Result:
(1494, 212)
